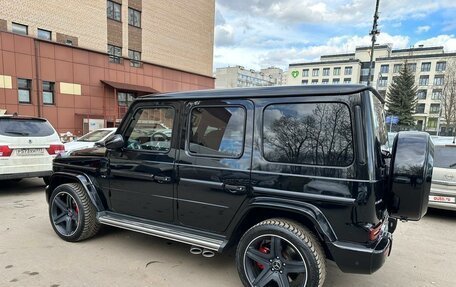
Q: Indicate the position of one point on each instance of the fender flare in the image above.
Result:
(310, 211)
(59, 178)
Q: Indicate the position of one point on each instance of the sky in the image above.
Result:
(262, 33)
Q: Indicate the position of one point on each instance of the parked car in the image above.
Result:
(289, 176)
(89, 139)
(27, 147)
(443, 189)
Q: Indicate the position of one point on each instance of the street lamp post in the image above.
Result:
(374, 34)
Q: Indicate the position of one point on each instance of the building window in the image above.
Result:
(217, 131)
(439, 80)
(135, 58)
(23, 89)
(435, 109)
(330, 141)
(305, 72)
(48, 93)
(347, 81)
(441, 66)
(336, 71)
(348, 70)
(397, 68)
(134, 17)
(383, 81)
(420, 108)
(384, 69)
(114, 11)
(326, 72)
(421, 94)
(125, 99)
(425, 67)
(432, 123)
(314, 82)
(336, 81)
(315, 72)
(411, 67)
(437, 94)
(20, 29)
(424, 80)
(305, 82)
(44, 34)
(325, 81)
(115, 54)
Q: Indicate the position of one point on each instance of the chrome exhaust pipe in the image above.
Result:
(196, 250)
(208, 253)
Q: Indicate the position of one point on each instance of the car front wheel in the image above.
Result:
(72, 214)
(280, 252)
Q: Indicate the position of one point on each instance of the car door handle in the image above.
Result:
(162, 179)
(235, 189)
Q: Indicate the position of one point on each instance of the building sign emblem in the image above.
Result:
(295, 74)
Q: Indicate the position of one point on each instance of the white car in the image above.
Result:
(88, 140)
(27, 147)
(443, 188)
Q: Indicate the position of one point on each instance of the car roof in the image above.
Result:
(261, 92)
(21, 117)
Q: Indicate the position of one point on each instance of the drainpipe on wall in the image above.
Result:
(37, 69)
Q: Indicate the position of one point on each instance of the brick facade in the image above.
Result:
(114, 33)
(177, 34)
(37, 60)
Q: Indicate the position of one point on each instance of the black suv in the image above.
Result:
(290, 176)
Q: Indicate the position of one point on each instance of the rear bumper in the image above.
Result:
(357, 258)
(25, 175)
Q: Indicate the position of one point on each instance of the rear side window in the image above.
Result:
(217, 131)
(308, 133)
(16, 127)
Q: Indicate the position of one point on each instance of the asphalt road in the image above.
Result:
(31, 254)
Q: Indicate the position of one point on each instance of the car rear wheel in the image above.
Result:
(72, 214)
(280, 253)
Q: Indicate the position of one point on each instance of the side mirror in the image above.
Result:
(115, 141)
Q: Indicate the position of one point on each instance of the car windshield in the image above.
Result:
(94, 136)
(24, 127)
(445, 157)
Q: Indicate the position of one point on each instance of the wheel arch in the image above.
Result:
(60, 178)
(304, 213)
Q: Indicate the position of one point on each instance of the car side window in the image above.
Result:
(308, 133)
(151, 129)
(217, 131)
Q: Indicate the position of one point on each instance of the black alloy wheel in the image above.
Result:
(65, 214)
(280, 252)
(73, 216)
(271, 260)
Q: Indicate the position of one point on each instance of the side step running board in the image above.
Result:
(160, 231)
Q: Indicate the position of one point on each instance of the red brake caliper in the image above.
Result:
(265, 250)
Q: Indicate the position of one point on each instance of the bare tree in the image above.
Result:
(449, 94)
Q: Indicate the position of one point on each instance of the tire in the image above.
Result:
(47, 180)
(78, 222)
(265, 250)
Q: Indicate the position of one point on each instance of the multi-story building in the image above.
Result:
(80, 63)
(427, 63)
(239, 77)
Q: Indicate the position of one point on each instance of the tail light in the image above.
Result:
(5, 151)
(56, 149)
(374, 232)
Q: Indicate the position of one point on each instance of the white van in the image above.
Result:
(27, 147)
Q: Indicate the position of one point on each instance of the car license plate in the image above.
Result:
(29, 151)
(446, 199)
